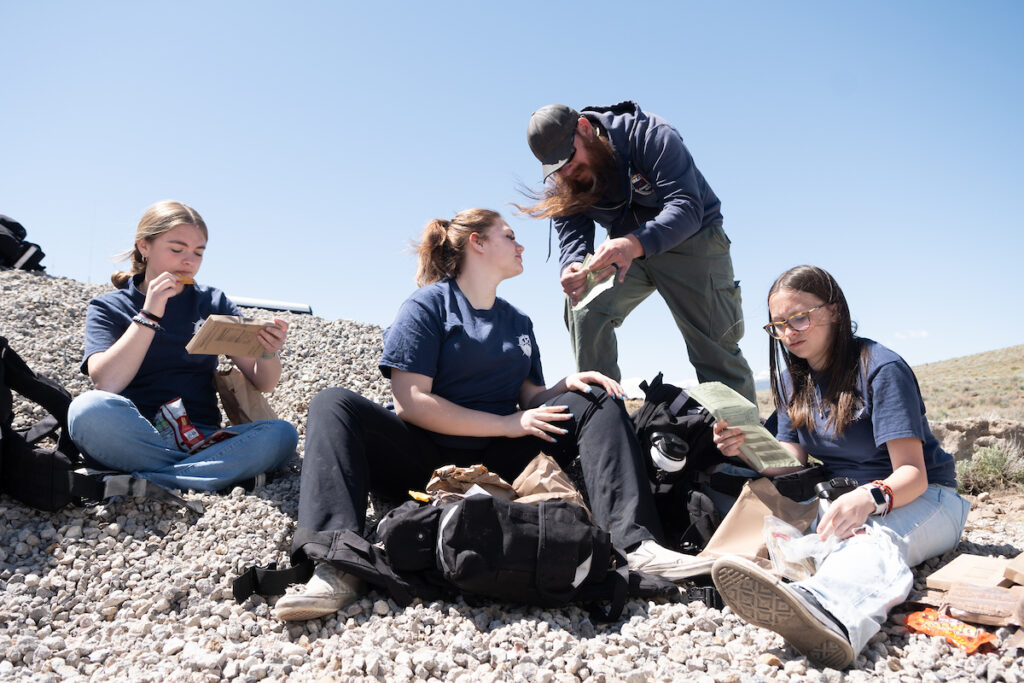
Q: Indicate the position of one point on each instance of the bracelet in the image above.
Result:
(155, 318)
(889, 495)
(146, 322)
(268, 356)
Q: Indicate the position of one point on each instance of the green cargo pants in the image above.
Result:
(696, 280)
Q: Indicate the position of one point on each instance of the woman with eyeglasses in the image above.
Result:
(468, 387)
(854, 405)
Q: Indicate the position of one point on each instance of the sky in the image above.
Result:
(881, 141)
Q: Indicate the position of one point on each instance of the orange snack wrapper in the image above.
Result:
(936, 623)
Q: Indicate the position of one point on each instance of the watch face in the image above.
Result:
(878, 495)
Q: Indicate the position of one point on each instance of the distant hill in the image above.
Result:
(988, 385)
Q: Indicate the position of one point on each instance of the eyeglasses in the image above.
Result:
(797, 321)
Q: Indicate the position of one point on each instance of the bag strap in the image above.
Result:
(676, 406)
(40, 430)
(345, 550)
(270, 580)
(709, 595)
(104, 484)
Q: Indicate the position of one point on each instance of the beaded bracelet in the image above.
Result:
(889, 496)
(146, 322)
(155, 318)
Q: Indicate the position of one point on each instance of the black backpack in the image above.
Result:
(675, 433)
(676, 437)
(15, 252)
(549, 554)
(50, 478)
(36, 476)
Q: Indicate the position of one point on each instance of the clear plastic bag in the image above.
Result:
(795, 556)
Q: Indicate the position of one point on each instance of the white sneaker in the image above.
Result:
(760, 598)
(327, 591)
(651, 558)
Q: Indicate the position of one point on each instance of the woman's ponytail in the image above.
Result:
(443, 243)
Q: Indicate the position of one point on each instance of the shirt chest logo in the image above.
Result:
(641, 185)
(525, 345)
(196, 325)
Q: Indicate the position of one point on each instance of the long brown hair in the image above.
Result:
(561, 197)
(157, 220)
(843, 365)
(443, 243)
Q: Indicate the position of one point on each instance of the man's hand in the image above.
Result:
(618, 252)
(574, 281)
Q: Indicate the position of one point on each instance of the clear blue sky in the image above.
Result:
(883, 141)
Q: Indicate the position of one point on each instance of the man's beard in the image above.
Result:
(568, 197)
(580, 195)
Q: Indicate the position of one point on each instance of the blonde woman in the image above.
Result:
(135, 354)
(468, 387)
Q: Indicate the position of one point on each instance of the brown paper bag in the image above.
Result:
(742, 530)
(450, 483)
(242, 401)
(543, 479)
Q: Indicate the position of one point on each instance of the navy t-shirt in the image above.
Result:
(478, 359)
(893, 409)
(167, 371)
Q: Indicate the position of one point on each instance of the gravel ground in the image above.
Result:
(136, 590)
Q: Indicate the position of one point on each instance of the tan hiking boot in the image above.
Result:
(327, 591)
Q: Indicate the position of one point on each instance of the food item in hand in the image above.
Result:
(186, 279)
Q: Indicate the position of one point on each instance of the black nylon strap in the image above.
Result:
(678, 403)
(269, 580)
(45, 427)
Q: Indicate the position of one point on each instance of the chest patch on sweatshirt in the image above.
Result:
(640, 184)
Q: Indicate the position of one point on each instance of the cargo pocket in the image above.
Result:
(726, 310)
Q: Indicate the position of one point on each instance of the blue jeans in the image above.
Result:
(869, 574)
(111, 431)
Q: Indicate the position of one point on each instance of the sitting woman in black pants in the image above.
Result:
(466, 377)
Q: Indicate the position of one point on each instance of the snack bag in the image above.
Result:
(966, 637)
(794, 555)
(185, 435)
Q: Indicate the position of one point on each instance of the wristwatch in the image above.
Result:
(878, 497)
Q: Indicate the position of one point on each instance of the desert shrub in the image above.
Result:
(993, 467)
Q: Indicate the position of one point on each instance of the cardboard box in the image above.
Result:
(1015, 570)
(989, 605)
(979, 570)
(229, 335)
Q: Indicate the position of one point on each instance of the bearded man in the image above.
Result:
(629, 171)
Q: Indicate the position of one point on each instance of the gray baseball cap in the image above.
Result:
(550, 134)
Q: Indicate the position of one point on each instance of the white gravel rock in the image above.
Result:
(137, 590)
